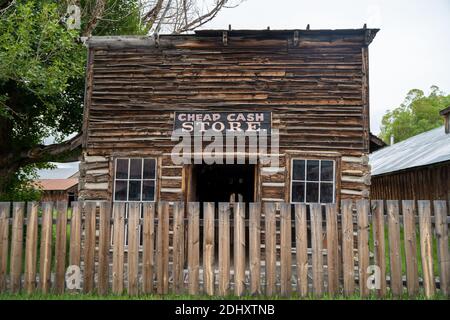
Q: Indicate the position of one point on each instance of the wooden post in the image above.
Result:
(45, 262)
(255, 248)
(317, 244)
(60, 246)
(269, 211)
(162, 271)
(379, 243)
(193, 246)
(208, 248)
(239, 248)
(89, 246)
(409, 225)
(394, 247)
(4, 237)
(362, 207)
(118, 247)
(332, 249)
(17, 246)
(285, 254)
(31, 247)
(103, 248)
(149, 247)
(347, 247)
(301, 240)
(133, 247)
(440, 215)
(224, 248)
(178, 247)
(426, 247)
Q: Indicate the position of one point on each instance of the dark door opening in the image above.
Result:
(223, 183)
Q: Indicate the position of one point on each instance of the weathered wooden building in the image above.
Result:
(58, 189)
(417, 168)
(311, 85)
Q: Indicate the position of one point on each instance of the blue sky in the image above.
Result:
(412, 49)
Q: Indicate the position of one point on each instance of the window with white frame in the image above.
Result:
(135, 179)
(313, 181)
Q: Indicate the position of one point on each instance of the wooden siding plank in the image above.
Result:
(285, 244)
(394, 247)
(45, 262)
(255, 248)
(362, 207)
(193, 246)
(440, 215)
(409, 226)
(16, 246)
(347, 247)
(148, 258)
(426, 247)
(118, 247)
(103, 248)
(133, 247)
(301, 240)
(60, 246)
(224, 248)
(208, 248)
(270, 241)
(178, 247)
(31, 247)
(379, 243)
(316, 246)
(332, 249)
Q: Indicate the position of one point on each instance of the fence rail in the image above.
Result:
(388, 247)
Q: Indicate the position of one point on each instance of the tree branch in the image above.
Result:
(97, 14)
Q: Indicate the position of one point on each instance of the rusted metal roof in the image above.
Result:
(56, 184)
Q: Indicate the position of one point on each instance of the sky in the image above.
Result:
(411, 51)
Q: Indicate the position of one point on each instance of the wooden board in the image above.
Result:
(178, 247)
(60, 246)
(362, 207)
(16, 246)
(332, 249)
(4, 243)
(224, 248)
(89, 246)
(270, 241)
(148, 257)
(103, 248)
(31, 247)
(394, 247)
(239, 248)
(426, 247)
(118, 247)
(286, 245)
(208, 248)
(45, 262)
(379, 243)
(316, 246)
(193, 246)
(162, 249)
(347, 247)
(255, 248)
(301, 241)
(75, 235)
(441, 227)
(409, 231)
(133, 247)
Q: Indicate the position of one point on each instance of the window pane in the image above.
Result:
(148, 194)
(134, 191)
(121, 190)
(135, 168)
(298, 170)
(326, 193)
(298, 192)
(312, 170)
(326, 171)
(122, 169)
(312, 192)
(149, 169)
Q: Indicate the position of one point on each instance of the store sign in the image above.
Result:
(223, 121)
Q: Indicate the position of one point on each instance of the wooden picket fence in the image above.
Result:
(234, 249)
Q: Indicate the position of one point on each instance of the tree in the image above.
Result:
(418, 113)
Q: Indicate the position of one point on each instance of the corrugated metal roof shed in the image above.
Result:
(424, 149)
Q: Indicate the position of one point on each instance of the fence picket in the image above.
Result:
(409, 226)
(332, 248)
(89, 246)
(103, 248)
(193, 246)
(239, 248)
(45, 262)
(440, 214)
(379, 243)
(316, 246)
(178, 247)
(426, 247)
(208, 248)
(255, 248)
(60, 246)
(270, 242)
(362, 207)
(75, 235)
(118, 247)
(301, 240)
(162, 269)
(224, 248)
(31, 247)
(347, 247)
(285, 244)
(148, 261)
(394, 247)
(133, 247)
(4, 237)
(16, 246)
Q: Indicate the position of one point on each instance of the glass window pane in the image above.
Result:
(312, 170)
(122, 169)
(298, 172)
(298, 192)
(312, 192)
(326, 170)
(326, 193)
(136, 169)
(134, 193)
(149, 169)
(121, 190)
(148, 192)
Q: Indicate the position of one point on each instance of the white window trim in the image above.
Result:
(306, 180)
